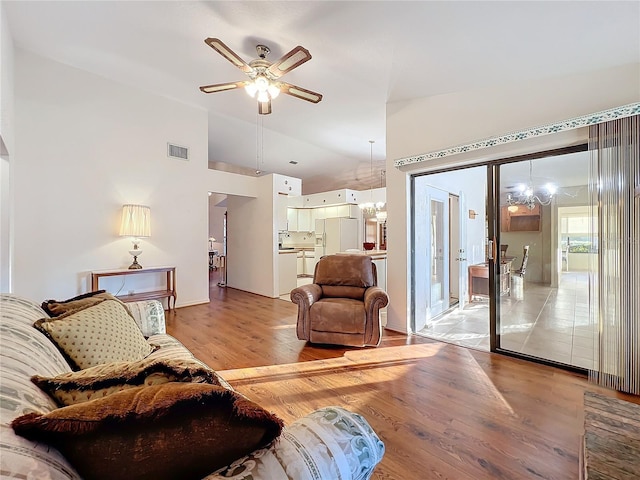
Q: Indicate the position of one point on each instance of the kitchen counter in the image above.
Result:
(295, 249)
(375, 254)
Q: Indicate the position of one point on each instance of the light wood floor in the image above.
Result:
(443, 411)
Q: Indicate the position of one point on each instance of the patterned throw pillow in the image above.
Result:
(56, 308)
(102, 380)
(103, 333)
(169, 431)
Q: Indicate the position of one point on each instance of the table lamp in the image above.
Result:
(136, 223)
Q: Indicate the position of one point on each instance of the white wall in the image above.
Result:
(84, 147)
(252, 249)
(7, 119)
(433, 123)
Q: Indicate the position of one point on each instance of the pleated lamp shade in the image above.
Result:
(136, 221)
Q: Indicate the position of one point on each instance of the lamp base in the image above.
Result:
(135, 265)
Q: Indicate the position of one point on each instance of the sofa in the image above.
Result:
(327, 444)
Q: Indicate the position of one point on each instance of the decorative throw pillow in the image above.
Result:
(169, 431)
(55, 308)
(103, 333)
(102, 380)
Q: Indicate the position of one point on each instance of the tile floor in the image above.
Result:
(551, 323)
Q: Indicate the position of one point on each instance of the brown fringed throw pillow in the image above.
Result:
(169, 431)
(106, 379)
(55, 308)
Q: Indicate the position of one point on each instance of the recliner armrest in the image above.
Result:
(305, 295)
(375, 297)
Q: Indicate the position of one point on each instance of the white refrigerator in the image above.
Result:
(335, 235)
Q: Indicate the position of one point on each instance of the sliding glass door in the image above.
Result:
(545, 253)
(515, 278)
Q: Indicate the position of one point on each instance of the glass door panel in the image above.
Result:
(543, 293)
(449, 233)
(438, 252)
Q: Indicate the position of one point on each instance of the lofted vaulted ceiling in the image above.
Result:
(365, 54)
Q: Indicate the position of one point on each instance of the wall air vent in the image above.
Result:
(293, 162)
(176, 151)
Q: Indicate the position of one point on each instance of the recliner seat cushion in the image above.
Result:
(343, 315)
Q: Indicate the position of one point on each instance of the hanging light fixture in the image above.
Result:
(371, 208)
(530, 194)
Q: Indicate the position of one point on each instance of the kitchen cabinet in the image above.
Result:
(287, 185)
(381, 271)
(331, 212)
(287, 275)
(300, 220)
(281, 212)
(304, 220)
(337, 211)
(292, 219)
(349, 211)
(300, 264)
(309, 263)
(521, 219)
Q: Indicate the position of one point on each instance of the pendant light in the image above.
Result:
(371, 208)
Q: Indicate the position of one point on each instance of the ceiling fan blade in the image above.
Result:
(289, 61)
(300, 92)
(221, 87)
(229, 54)
(264, 108)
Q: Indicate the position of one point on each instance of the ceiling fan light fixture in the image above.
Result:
(273, 90)
(263, 75)
(251, 89)
(262, 84)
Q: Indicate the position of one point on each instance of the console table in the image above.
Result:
(479, 279)
(168, 292)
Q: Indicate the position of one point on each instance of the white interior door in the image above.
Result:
(463, 270)
(437, 251)
(454, 248)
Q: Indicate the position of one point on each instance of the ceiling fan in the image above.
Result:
(263, 75)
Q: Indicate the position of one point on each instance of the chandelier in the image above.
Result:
(371, 208)
(530, 194)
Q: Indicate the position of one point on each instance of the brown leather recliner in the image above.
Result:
(342, 305)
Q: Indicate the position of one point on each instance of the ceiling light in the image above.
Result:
(251, 89)
(530, 194)
(273, 90)
(370, 207)
(262, 84)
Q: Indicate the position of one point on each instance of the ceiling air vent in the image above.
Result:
(176, 151)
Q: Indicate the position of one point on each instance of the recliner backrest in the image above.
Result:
(346, 276)
(343, 291)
